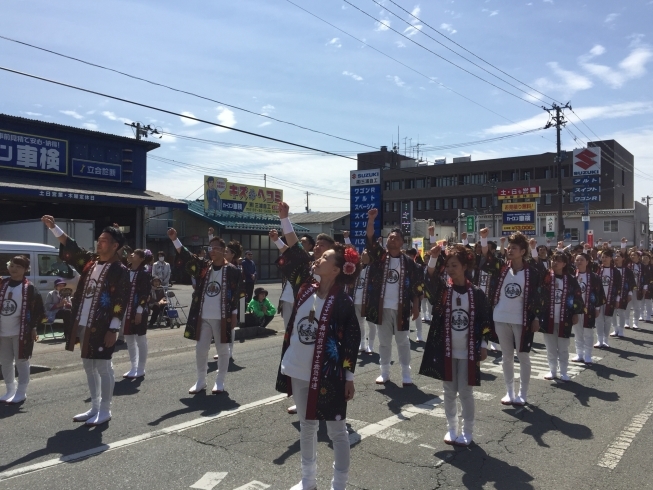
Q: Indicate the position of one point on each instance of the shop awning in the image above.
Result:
(89, 194)
(230, 220)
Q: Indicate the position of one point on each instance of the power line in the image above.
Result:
(180, 90)
(158, 109)
(467, 50)
(442, 57)
(430, 79)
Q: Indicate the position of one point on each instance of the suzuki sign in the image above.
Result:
(587, 161)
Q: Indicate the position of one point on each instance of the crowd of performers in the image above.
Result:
(335, 303)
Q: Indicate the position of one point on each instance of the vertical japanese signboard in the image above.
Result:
(30, 152)
(222, 195)
(587, 175)
(365, 194)
(519, 209)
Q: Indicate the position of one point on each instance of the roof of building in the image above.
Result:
(232, 220)
(92, 193)
(318, 217)
(149, 145)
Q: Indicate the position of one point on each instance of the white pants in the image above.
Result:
(426, 309)
(386, 331)
(137, 347)
(337, 431)
(557, 351)
(9, 355)
(619, 321)
(210, 330)
(459, 387)
(510, 336)
(647, 309)
(603, 324)
(286, 311)
(583, 339)
(371, 328)
(634, 308)
(99, 374)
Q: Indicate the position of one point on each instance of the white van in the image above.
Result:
(45, 265)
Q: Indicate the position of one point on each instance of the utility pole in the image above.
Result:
(648, 221)
(308, 210)
(143, 131)
(558, 120)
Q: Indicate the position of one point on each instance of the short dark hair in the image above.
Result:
(492, 244)
(607, 252)
(21, 260)
(326, 238)
(236, 248)
(161, 252)
(147, 258)
(309, 239)
(210, 179)
(219, 240)
(116, 234)
(564, 258)
(540, 247)
(518, 239)
(397, 231)
(411, 252)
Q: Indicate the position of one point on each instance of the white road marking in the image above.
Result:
(618, 447)
(253, 485)
(396, 435)
(427, 446)
(479, 395)
(539, 366)
(209, 480)
(143, 437)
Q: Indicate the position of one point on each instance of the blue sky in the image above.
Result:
(271, 57)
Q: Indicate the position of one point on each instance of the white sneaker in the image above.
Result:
(464, 439)
(19, 397)
(450, 437)
(218, 387)
(577, 358)
(11, 391)
(368, 350)
(196, 388)
(301, 486)
(508, 399)
(130, 374)
(140, 373)
(550, 375)
(102, 417)
(83, 417)
(519, 401)
(588, 360)
(382, 379)
(215, 357)
(292, 410)
(406, 379)
(565, 377)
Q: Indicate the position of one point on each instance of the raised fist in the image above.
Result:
(211, 230)
(283, 210)
(372, 213)
(48, 221)
(484, 232)
(172, 233)
(533, 243)
(624, 240)
(274, 235)
(431, 230)
(463, 235)
(435, 251)
(502, 240)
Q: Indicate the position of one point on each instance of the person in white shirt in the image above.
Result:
(318, 360)
(367, 342)
(21, 311)
(457, 338)
(161, 269)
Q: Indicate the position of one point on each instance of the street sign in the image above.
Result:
(518, 217)
(589, 180)
(518, 206)
(471, 224)
(587, 161)
(550, 226)
(588, 190)
(519, 193)
(585, 217)
(590, 238)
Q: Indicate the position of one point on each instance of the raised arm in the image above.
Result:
(172, 234)
(483, 234)
(56, 231)
(288, 230)
(371, 216)
(274, 236)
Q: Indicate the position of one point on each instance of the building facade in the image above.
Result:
(444, 192)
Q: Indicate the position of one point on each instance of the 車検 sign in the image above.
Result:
(222, 195)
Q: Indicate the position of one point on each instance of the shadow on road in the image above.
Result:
(584, 393)
(65, 442)
(205, 403)
(542, 422)
(480, 470)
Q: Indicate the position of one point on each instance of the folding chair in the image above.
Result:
(173, 303)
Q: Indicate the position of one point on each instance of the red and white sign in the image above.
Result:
(587, 161)
(519, 193)
(590, 238)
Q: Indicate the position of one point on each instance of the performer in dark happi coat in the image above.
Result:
(514, 295)
(647, 303)
(22, 312)
(213, 312)
(99, 304)
(641, 285)
(560, 307)
(624, 297)
(457, 339)
(391, 297)
(593, 298)
(610, 278)
(135, 322)
(318, 360)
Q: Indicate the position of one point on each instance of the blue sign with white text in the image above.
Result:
(20, 151)
(511, 218)
(365, 194)
(88, 169)
(589, 180)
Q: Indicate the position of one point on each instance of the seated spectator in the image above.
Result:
(58, 306)
(259, 311)
(157, 300)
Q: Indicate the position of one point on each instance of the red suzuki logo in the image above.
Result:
(585, 159)
(353, 176)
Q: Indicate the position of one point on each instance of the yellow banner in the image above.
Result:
(222, 195)
(518, 206)
(529, 227)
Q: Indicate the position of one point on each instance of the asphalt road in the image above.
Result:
(591, 433)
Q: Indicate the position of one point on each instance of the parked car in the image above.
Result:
(45, 265)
